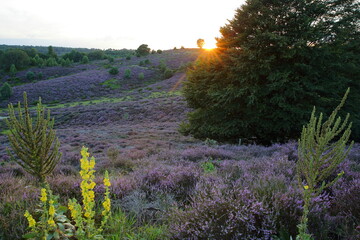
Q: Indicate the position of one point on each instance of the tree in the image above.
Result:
(143, 50)
(12, 70)
(51, 52)
(85, 60)
(5, 91)
(276, 60)
(200, 43)
(33, 141)
(15, 56)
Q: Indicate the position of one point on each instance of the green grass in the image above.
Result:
(112, 83)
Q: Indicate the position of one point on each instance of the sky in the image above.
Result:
(162, 24)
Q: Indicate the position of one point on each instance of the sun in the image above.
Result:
(209, 46)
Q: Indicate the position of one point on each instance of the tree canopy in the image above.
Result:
(200, 43)
(275, 61)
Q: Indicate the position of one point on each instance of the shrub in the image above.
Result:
(51, 62)
(85, 60)
(18, 57)
(141, 63)
(110, 59)
(96, 55)
(34, 142)
(218, 213)
(127, 74)
(30, 76)
(141, 76)
(13, 70)
(5, 91)
(128, 58)
(168, 73)
(113, 71)
(159, 51)
(143, 50)
(40, 75)
(147, 61)
(153, 51)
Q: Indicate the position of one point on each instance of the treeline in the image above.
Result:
(13, 59)
(63, 50)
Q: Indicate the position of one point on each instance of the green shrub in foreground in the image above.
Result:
(319, 157)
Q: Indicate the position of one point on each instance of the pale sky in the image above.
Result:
(162, 24)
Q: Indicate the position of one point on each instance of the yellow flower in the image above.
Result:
(306, 187)
(341, 173)
(106, 204)
(43, 197)
(52, 210)
(107, 182)
(51, 222)
(30, 219)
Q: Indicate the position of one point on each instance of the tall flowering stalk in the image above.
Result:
(84, 216)
(319, 157)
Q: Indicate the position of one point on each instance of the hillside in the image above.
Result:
(184, 187)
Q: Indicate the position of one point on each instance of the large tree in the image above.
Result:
(276, 60)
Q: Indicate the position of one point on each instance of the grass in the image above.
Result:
(112, 84)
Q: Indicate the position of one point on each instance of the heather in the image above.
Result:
(165, 185)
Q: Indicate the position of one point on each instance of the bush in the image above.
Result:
(168, 73)
(141, 76)
(142, 50)
(153, 51)
(113, 71)
(217, 213)
(40, 75)
(51, 62)
(17, 57)
(127, 74)
(30, 76)
(96, 55)
(128, 58)
(85, 60)
(147, 61)
(159, 51)
(5, 91)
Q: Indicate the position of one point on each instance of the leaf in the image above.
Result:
(30, 235)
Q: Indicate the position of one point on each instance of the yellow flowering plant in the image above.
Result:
(84, 216)
(52, 224)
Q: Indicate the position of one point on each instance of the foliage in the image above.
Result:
(52, 223)
(320, 156)
(5, 91)
(276, 60)
(12, 70)
(143, 50)
(141, 76)
(200, 43)
(84, 216)
(51, 62)
(30, 75)
(74, 56)
(34, 142)
(127, 74)
(211, 215)
(159, 51)
(113, 71)
(168, 73)
(128, 58)
(96, 55)
(51, 53)
(17, 57)
(85, 60)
